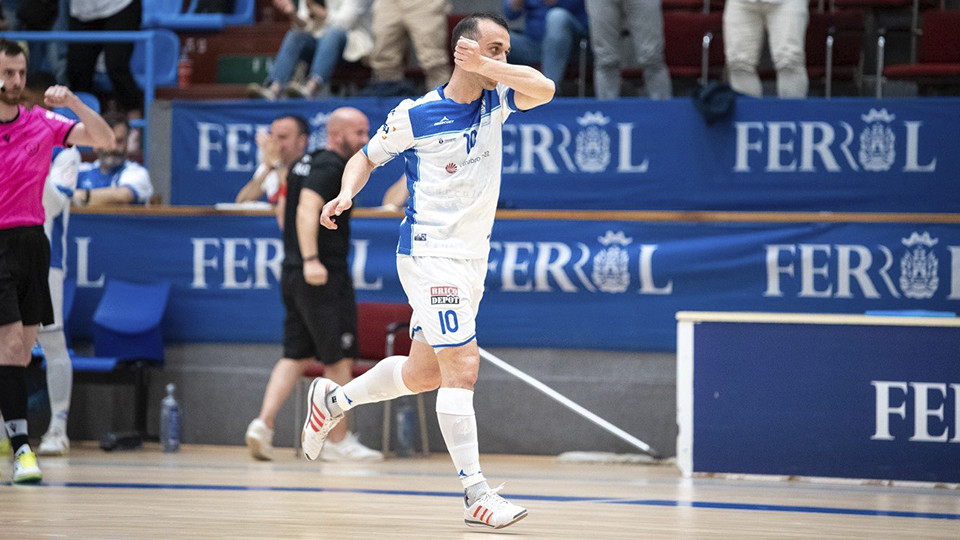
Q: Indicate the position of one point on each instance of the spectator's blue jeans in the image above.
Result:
(562, 31)
(322, 53)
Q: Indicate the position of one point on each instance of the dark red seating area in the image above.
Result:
(846, 28)
(938, 56)
(683, 34)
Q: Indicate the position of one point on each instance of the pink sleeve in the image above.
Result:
(60, 126)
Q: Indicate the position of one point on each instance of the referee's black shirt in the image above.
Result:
(320, 172)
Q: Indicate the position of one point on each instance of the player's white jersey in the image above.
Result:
(57, 193)
(454, 155)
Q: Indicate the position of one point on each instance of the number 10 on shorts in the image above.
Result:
(448, 321)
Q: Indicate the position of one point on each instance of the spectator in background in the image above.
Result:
(644, 21)
(82, 57)
(785, 22)
(550, 30)
(279, 149)
(320, 36)
(398, 22)
(113, 179)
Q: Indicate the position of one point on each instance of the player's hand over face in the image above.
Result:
(467, 55)
(333, 209)
(315, 273)
(58, 96)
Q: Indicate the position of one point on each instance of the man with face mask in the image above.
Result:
(113, 179)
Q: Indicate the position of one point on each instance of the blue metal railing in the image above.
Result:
(145, 36)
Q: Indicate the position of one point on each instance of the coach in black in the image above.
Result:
(321, 311)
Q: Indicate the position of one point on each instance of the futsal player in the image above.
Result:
(451, 141)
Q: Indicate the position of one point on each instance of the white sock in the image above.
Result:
(59, 377)
(383, 382)
(458, 424)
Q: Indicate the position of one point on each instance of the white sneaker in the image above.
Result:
(319, 419)
(54, 443)
(259, 440)
(349, 449)
(493, 511)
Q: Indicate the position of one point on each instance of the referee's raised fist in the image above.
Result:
(58, 96)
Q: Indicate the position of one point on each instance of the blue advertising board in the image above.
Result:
(853, 155)
(612, 285)
(863, 398)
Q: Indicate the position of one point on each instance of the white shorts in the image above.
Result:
(445, 294)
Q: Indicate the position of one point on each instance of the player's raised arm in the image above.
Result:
(531, 87)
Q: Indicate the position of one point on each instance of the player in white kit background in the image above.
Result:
(451, 142)
(57, 194)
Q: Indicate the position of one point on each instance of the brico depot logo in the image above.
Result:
(444, 296)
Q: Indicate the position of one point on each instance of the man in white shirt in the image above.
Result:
(451, 141)
(112, 178)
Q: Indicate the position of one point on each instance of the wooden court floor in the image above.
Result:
(219, 492)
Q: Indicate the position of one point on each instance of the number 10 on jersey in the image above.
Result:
(471, 139)
(448, 321)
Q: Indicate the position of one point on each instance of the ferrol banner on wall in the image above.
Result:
(857, 398)
(806, 155)
(585, 284)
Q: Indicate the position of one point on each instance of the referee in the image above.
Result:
(27, 138)
(321, 311)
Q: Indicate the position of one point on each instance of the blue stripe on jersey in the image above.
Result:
(56, 242)
(65, 190)
(445, 116)
(493, 100)
(511, 101)
(412, 160)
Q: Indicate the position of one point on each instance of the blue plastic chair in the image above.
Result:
(126, 324)
(167, 14)
(166, 49)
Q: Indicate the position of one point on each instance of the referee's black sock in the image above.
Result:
(13, 403)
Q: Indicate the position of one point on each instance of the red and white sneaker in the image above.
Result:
(493, 511)
(319, 419)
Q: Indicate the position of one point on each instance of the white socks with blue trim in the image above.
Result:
(383, 382)
(458, 424)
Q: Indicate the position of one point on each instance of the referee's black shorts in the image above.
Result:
(24, 266)
(321, 321)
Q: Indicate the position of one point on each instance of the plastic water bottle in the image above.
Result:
(406, 428)
(170, 421)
